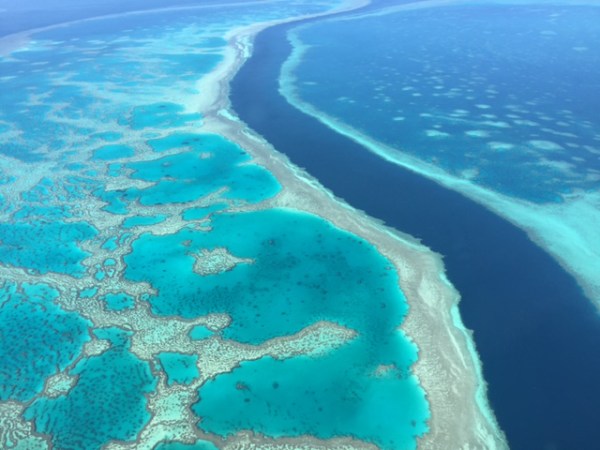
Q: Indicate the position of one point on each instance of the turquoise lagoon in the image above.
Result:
(335, 395)
(292, 283)
(109, 152)
(118, 302)
(118, 212)
(107, 402)
(200, 332)
(43, 247)
(37, 338)
(179, 367)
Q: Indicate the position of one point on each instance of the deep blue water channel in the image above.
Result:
(537, 335)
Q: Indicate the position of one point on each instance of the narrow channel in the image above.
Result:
(536, 333)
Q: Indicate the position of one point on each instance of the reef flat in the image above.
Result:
(159, 261)
(506, 281)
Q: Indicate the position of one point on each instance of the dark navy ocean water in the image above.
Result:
(537, 335)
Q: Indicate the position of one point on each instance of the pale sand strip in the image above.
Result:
(448, 367)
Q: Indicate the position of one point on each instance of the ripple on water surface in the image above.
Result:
(45, 246)
(298, 269)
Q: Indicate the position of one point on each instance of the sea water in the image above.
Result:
(534, 330)
(37, 338)
(513, 110)
(113, 196)
(109, 388)
(335, 395)
(495, 117)
(293, 284)
(297, 269)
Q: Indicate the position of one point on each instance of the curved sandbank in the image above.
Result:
(568, 231)
(448, 367)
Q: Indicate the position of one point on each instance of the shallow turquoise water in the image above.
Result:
(211, 163)
(119, 302)
(45, 212)
(109, 387)
(88, 292)
(206, 142)
(180, 367)
(109, 136)
(38, 339)
(200, 332)
(117, 337)
(304, 270)
(162, 115)
(40, 192)
(109, 152)
(62, 256)
(116, 201)
(334, 395)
